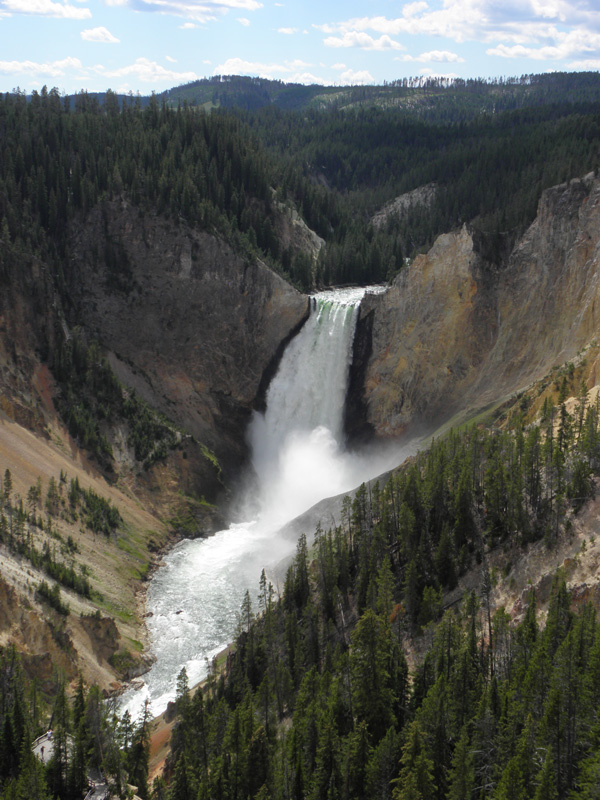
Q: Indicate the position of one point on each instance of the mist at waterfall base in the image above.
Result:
(298, 457)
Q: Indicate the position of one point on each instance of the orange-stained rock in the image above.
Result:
(464, 326)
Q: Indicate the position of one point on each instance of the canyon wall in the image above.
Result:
(190, 324)
(463, 327)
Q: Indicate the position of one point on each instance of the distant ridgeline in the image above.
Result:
(489, 147)
(446, 99)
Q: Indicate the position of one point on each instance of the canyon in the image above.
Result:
(197, 331)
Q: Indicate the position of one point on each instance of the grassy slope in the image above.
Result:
(116, 565)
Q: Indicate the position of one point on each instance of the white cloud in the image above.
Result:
(362, 40)
(199, 10)
(148, 72)
(441, 56)
(522, 33)
(588, 65)
(353, 78)
(98, 35)
(339, 65)
(293, 71)
(246, 5)
(171, 60)
(565, 45)
(328, 28)
(188, 26)
(297, 63)
(452, 23)
(288, 31)
(55, 69)
(529, 23)
(243, 21)
(306, 78)
(46, 8)
(430, 73)
(519, 51)
(411, 9)
(563, 10)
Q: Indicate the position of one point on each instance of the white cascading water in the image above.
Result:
(296, 445)
(298, 457)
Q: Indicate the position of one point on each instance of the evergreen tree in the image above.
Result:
(372, 695)
(415, 781)
(462, 777)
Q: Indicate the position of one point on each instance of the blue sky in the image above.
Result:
(146, 45)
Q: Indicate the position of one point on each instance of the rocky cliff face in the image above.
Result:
(27, 328)
(457, 330)
(190, 324)
(423, 196)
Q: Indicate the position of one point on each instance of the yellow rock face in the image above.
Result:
(456, 331)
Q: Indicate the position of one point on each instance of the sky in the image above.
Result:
(152, 45)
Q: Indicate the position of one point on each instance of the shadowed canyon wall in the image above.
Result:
(190, 324)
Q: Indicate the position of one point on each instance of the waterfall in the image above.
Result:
(297, 442)
(298, 457)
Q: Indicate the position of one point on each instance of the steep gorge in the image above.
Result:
(196, 331)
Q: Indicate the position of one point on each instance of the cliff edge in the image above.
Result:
(462, 327)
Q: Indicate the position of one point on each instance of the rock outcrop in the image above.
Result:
(191, 325)
(399, 206)
(294, 233)
(460, 328)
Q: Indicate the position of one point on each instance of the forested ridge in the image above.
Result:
(229, 171)
(318, 699)
(199, 169)
(60, 163)
(489, 172)
(432, 98)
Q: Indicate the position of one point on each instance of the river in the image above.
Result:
(298, 458)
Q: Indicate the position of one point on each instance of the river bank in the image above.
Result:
(162, 725)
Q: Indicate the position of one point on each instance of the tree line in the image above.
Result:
(318, 700)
